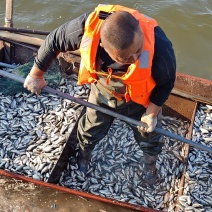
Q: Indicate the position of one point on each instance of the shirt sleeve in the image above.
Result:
(67, 37)
(163, 68)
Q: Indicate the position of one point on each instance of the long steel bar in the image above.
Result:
(6, 65)
(109, 112)
(20, 30)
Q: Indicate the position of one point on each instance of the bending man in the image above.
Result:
(130, 64)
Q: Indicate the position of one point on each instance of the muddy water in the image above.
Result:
(19, 196)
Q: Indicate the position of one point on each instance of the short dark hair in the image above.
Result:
(119, 29)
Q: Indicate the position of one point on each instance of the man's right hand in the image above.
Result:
(34, 84)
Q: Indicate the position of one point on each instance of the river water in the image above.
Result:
(187, 23)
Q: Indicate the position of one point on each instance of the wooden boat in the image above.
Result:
(188, 92)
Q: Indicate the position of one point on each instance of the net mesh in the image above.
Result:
(11, 87)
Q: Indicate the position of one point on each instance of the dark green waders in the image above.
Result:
(94, 125)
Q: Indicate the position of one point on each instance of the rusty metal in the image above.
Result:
(179, 107)
(191, 96)
(197, 87)
(79, 193)
(186, 147)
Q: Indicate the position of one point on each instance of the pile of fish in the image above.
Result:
(116, 168)
(34, 130)
(197, 194)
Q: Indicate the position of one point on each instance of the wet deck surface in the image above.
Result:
(19, 196)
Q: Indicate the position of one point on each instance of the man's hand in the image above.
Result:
(150, 117)
(34, 84)
(151, 123)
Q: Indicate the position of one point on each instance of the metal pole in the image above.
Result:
(6, 65)
(109, 112)
(28, 31)
(9, 13)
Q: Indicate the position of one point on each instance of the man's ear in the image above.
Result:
(101, 45)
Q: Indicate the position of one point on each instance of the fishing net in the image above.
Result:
(11, 87)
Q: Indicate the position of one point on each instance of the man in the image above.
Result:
(131, 66)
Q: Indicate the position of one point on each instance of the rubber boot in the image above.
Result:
(150, 171)
(83, 159)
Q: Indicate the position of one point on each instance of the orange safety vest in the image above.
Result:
(138, 79)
